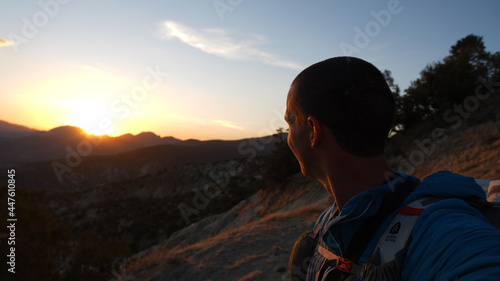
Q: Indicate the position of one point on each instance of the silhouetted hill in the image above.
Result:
(79, 172)
(9, 130)
(66, 132)
(21, 145)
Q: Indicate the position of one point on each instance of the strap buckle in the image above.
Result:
(344, 264)
(350, 267)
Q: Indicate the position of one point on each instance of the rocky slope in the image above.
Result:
(147, 209)
(253, 240)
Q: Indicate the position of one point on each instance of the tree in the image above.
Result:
(397, 97)
(494, 66)
(467, 61)
(450, 81)
(281, 163)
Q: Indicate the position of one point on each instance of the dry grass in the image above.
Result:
(251, 276)
(471, 150)
(222, 237)
(474, 153)
(245, 260)
(307, 211)
(145, 261)
(218, 252)
(169, 259)
(174, 258)
(274, 198)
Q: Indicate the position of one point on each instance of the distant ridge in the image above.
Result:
(20, 144)
(13, 130)
(66, 132)
(104, 159)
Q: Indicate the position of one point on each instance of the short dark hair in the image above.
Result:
(352, 98)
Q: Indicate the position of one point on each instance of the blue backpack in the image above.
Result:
(388, 257)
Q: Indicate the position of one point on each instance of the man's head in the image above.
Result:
(347, 95)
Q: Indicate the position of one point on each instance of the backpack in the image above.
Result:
(388, 257)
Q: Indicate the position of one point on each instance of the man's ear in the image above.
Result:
(317, 131)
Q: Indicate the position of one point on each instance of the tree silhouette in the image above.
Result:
(281, 163)
(448, 82)
(397, 97)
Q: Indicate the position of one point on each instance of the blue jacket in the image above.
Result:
(451, 240)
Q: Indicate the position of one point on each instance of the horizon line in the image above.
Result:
(120, 135)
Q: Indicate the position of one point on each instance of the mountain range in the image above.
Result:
(67, 156)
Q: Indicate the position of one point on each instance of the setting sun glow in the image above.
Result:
(88, 116)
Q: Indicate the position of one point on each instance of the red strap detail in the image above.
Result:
(344, 265)
(405, 210)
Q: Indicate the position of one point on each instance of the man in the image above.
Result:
(340, 112)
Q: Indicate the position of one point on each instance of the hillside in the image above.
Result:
(469, 144)
(252, 241)
(249, 242)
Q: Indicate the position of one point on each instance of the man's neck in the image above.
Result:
(345, 178)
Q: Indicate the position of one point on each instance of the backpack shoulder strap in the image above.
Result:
(398, 233)
(365, 233)
(387, 259)
(346, 265)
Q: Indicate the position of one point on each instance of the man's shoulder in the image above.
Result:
(451, 208)
(451, 237)
(445, 184)
(452, 212)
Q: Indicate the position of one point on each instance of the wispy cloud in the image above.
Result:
(4, 42)
(208, 122)
(90, 68)
(217, 42)
(228, 124)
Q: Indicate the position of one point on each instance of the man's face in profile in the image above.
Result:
(298, 134)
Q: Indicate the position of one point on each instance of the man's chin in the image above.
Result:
(306, 173)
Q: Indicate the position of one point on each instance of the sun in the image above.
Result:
(89, 116)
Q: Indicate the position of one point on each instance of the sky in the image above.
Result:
(206, 69)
